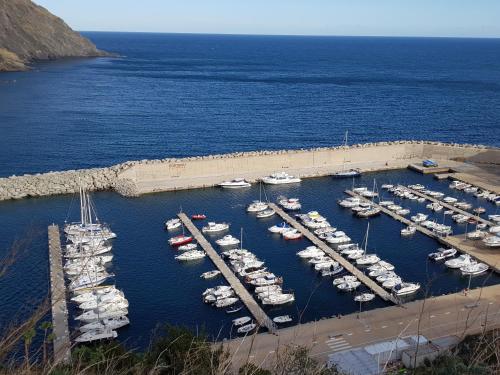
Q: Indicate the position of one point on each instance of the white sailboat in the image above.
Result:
(350, 172)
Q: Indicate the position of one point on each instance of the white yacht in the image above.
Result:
(236, 183)
(210, 274)
(344, 279)
(93, 315)
(349, 285)
(280, 178)
(97, 334)
(461, 261)
(241, 321)
(290, 204)
(279, 228)
(474, 269)
(392, 282)
(443, 254)
(111, 323)
(257, 206)
(404, 289)
(96, 294)
(225, 302)
(81, 269)
(227, 240)
(291, 234)
(367, 259)
(349, 202)
(418, 218)
(213, 227)
(365, 297)
(492, 241)
(346, 173)
(278, 299)
(282, 319)
(310, 252)
(89, 280)
(266, 213)
(409, 230)
(173, 224)
(382, 265)
(476, 235)
(191, 255)
(188, 247)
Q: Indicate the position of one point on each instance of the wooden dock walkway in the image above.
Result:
(448, 206)
(62, 343)
(258, 313)
(457, 242)
(377, 289)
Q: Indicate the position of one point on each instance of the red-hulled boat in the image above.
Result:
(198, 217)
(180, 240)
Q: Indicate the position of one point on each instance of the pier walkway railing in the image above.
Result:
(377, 289)
(258, 313)
(60, 330)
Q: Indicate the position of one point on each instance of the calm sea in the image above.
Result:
(177, 95)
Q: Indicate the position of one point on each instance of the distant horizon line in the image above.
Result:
(293, 35)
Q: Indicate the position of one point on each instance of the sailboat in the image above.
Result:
(350, 172)
(258, 206)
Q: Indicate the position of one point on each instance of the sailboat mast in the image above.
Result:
(345, 150)
(367, 231)
(82, 218)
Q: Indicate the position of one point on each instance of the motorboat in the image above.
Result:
(459, 218)
(349, 286)
(210, 274)
(442, 230)
(103, 289)
(476, 235)
(279, 228)
(338, 239)
(213, 227)
(357, 254)
(450, 200)
(234, 309)
(403, 212)
(381, 265)
(386, 276)
(266, 280)
(463, 205)
(188, 247)
(290, 204)
(278, 299)
(282, 319)
(324, 231)
(462, 261)
(474, 269)
(443, 254)
(227, 240)
(111, 323)
(369, 212)
(326, 265)
(320, 259)
(386, 203)
(409, 230)
(292, 234)
(492, 241)
(97, 334)
(349, 202)
(392, 282)
(92, 315)
(87, 268)
(266, 213)
(257, 206)
(310, 252)
(479, 210)
(247, 328)
(191, 255)
(280, 178)
(118, 302)
(97, 294)
(494, 229)
(394, 207)
(217, 290)
(349, 173)
(268, 289)
(198, 217)
(419, 218)
(236, 183)
(226, 302)
(332, 271)
(180, 240)
(344, 279)
(436, 207)
(241, 321)
(89, 280)
(268, 293)
(387, 186)
(173, 224)
(404, 289)
(367, 259)
(365, 297)
(495, 218)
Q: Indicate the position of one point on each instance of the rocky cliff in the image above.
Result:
(30, 32)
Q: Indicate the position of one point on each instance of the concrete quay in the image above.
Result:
(456, 314)
(61, 342)
(373, 286)
(258, 313)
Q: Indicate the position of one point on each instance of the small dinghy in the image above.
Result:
(365, 297)
(241, 321)
(248, 328)
(198, 217)
(282, 319)
(180, 240)
(210, 274)
(234, 309)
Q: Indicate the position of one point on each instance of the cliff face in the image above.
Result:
(30, 32)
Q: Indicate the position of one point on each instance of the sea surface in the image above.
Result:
(178, 94)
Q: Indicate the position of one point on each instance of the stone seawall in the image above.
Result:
(146, 176)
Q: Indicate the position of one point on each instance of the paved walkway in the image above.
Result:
(62, 343)
(260, 316)
(377, 289)
(454, 314)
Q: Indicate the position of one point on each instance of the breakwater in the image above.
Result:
(147, 176)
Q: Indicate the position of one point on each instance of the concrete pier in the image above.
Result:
(449, 206)
(377, 289)
(488, 256)
(258, 313)
(61, 342)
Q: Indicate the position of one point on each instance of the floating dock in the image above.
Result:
(377, 289)
(258, 313)
(427, 170)
(458, 242)
(60, 330)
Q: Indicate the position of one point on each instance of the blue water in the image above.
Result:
(162, 290)
(177, 95)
